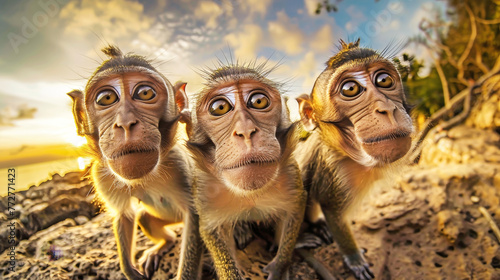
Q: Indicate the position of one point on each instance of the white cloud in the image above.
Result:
(323, 39)
(308, 70)
(395, 25)
(247, 41)
(285, 35)
(255, 7)
(311, 6)
(113, 20)
(356, 17)
(209, 12)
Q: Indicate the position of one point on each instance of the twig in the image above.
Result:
(492, 223)
(472, 38)
(488, 21)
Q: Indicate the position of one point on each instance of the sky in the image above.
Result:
(49, 47)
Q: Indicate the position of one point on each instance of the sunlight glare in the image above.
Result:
(83, 162)
(76, 140)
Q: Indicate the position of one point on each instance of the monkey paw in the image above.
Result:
(273, 270)
(320, 228)
(150, 259)
(358, 265)
(308, 240)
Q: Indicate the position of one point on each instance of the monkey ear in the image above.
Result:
(306, 112)
(79, 112)
(181, 100)
(180, 96)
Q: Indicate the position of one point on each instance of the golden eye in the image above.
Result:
(258, 101)
(144, 93)
(384, 80)
(220, 107)
(351, 89)
(106, 97)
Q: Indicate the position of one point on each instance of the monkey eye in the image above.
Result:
(144, 93)
(351, 89)
(384, 80)
(220, 107)
(106, 97)
(258, 101)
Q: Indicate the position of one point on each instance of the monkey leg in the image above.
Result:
(288, 233)
(353, 256)
(317, 231)
(191, 249)
(124, 228)
(220, 244)
(287, 239)
(154, 228)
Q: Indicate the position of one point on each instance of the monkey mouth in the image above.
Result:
(390, 136)
(130, 151)
(250, 173)
(251, 161)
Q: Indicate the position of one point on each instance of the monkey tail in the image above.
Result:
(320, 269)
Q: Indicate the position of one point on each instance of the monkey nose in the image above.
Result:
(246, 136)
(245, 133)
(387, 109)
(125, 123)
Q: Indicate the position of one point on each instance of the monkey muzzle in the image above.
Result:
(388, 148)
(251, 173)
(133, 163)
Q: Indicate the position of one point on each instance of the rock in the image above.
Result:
(449, 224)
(51, 202)
(461, 145)
(474, 199)
(485, 113)
(81, 220)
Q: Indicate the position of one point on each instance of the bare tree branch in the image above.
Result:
(478, 61)
(472, 38)
(440, 47)
(466, 96)
(488, 21)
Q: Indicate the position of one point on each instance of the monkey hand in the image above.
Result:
(150, 259)
(275, 270)
(358, 265)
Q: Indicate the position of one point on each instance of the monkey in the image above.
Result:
(129, 114)
(242, 142)
(357, 126)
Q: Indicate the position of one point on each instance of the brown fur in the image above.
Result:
(136, 158)
(252, 144)
(354, 140)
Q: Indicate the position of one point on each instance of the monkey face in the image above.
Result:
(127, 109)
(361, 107)
(241, 118)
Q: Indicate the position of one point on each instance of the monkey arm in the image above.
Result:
(124, 228)
(218, 242)
(189, 264)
